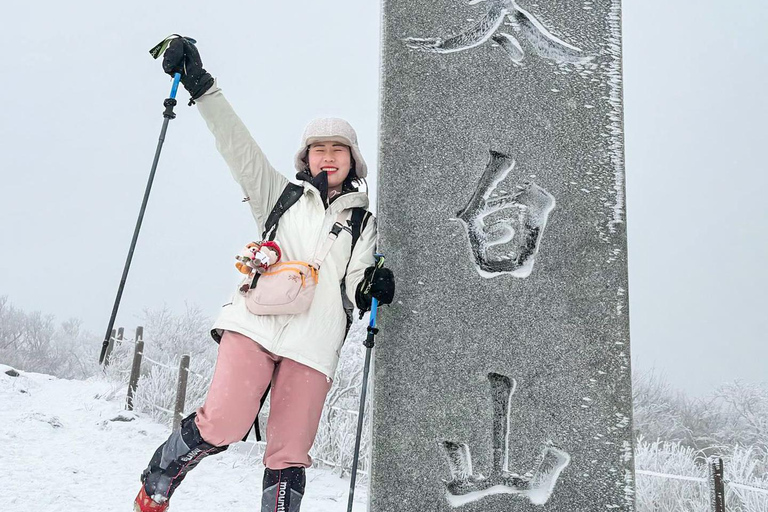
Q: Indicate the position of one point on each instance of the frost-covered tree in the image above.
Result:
(743, 414)
(676, 433)
(33, 342)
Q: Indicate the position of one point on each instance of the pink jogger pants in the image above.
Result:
(243, 371)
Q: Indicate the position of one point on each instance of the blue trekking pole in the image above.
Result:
(168, 114)
(368, 343)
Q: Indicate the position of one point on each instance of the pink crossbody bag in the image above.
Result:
(288, 287)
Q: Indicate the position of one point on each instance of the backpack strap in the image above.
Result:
(291, 193)
(357, 222)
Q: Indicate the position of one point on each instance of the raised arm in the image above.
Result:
(250, 168)
(248, 164)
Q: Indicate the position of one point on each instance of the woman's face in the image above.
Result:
(332, 157)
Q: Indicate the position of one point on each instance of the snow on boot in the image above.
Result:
(144, 503)
(183, 450)
(282, 489)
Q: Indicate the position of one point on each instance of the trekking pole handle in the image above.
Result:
(175, 86)
(374, 301)
(372, 330)
(171, 101)
(374, 311)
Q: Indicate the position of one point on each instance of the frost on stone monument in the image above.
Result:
(465, 486)
(523, 23)
(505, 229)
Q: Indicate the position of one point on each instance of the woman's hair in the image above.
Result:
(351, 182)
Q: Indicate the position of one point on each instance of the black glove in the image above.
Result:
(182, 57)
(378, 283)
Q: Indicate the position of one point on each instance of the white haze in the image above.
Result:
(82, 112)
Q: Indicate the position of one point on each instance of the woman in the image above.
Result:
(295, 354)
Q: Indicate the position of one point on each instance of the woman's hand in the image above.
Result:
(182, 57)
(377, 283)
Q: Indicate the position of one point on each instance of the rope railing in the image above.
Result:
(672, 477)
(194, 374)
(160, 408)
(738, 485)
(716, 482)
(336, 465)
(157, 363)
(746, 487)
(189, 372)
(315, 458)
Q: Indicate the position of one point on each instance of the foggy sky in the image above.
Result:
(83, 108)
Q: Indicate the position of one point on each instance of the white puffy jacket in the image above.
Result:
(313, 338)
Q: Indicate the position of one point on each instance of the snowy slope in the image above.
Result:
(61, 451)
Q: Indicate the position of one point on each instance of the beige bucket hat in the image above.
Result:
(331, 129)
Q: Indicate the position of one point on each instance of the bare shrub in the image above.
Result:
(657, 408)
(731, 422)
(734, 414)
(655, 493)
(658, 491)
(33, 342)
(743, 414)
(168, 336)
(746, 466)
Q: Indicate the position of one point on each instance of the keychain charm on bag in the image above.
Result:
(257, 257)
(288, 287)
(276, 287)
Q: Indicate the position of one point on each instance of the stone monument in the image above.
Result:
(502, 371)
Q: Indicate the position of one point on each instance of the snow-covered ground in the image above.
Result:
(62, 450)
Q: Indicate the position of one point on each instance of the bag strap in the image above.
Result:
(337, 228)
(356, 223)
(291, 194)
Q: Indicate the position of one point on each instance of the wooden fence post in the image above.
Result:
(110, 346)
(138, 351)
(716, 486)
(181, 391)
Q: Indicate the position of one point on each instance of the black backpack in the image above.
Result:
(357, 222)
(291, 194)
